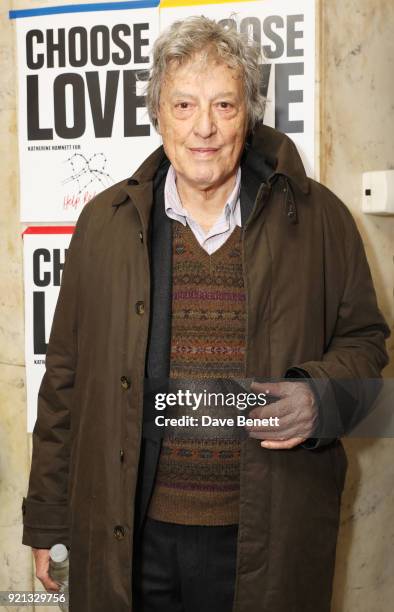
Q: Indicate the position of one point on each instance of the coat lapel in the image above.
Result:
(160, 245)
(255, 169)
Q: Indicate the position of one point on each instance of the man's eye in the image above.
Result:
(182, 105)
(225, 105)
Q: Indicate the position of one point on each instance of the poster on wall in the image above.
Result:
(285, 29)
(82, 120)
(44, 252)
(83, 123)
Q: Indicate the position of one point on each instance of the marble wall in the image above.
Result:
(357, 128)
(357, 123)
(16, 569)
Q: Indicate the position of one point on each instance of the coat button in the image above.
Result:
(125, 382)
(121, 454)
(141, 235)
(140, 308)
(119, 532)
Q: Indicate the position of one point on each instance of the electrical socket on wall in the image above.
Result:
(378, 192)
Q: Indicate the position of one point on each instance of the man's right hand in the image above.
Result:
(41, 558)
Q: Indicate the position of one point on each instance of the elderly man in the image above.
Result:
(217, 259)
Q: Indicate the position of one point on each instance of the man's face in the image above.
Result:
(203, 122)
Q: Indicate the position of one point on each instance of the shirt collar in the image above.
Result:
(173, 201)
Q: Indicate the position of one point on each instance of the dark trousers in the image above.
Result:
(184, 568)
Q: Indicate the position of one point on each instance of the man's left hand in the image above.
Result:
(296, 411)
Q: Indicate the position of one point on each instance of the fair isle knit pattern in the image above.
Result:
(197, 481)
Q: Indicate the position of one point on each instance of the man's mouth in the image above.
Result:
(204, 151)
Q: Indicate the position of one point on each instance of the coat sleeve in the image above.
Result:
(45, 507)
(348, 378)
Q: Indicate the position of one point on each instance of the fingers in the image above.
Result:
(41, 557)
(281, 409)
(48, 583)
(279, 389)
(295, 414)
(278, 427)
(282, 444)
(287, 429)
(288, 423)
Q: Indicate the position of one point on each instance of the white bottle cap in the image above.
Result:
(58, 553)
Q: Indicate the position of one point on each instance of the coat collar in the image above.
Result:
(267, 149)
(280, 152)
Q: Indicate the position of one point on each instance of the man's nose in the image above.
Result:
(205, 124)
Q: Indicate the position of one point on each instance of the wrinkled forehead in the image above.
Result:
(201, 61)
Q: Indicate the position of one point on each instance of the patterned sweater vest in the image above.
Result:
(197, 481)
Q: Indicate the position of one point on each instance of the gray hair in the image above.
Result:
(180, 41)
